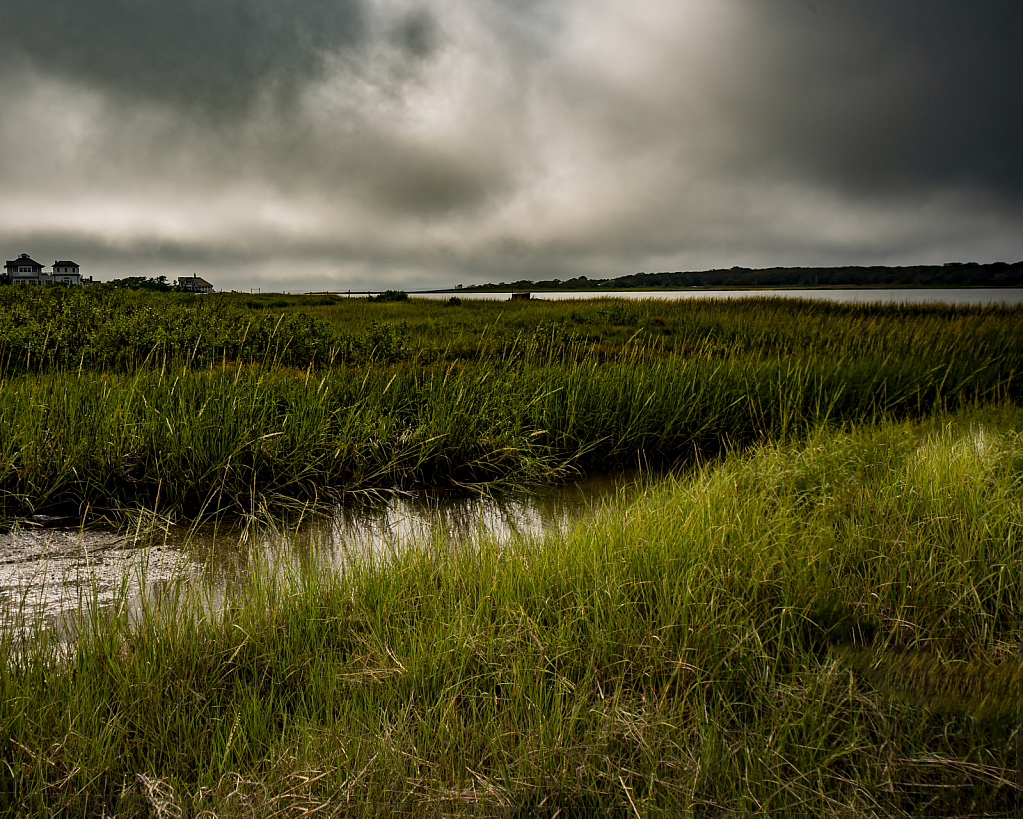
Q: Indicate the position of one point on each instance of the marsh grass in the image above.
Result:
(114, 400)
(240, 439)
(101, 328)
(697, 650)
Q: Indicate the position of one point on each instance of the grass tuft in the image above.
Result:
(825, 627)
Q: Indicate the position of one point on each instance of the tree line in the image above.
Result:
(955, 274)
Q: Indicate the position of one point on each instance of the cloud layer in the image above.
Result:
(300, 144)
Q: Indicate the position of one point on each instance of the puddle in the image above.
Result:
(51, 572)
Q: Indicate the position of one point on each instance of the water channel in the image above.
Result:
(49, 572)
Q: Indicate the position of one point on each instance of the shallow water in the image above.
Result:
(49, 573)
(1007, 296)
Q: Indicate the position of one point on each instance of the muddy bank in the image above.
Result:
(46, 572)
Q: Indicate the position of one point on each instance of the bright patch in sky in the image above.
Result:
(310, 144)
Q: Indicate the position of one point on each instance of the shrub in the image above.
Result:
(390, 295)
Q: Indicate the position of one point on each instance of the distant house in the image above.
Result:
(194, 284)
(25, 270)
(67, 272)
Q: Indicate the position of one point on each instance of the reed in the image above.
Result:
(237, 439)
(105, 329)
(697, 648)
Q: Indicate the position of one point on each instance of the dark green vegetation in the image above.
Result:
(970, 274)
(192, 405)
(762, 636)
(821, 617)
(390, 295)
(158, 283)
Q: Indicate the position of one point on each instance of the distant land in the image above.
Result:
(954, 274)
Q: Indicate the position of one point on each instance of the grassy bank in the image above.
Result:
(195, 407)
(193, 443)
(825, 627)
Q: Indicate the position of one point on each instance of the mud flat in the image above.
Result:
(48, 572)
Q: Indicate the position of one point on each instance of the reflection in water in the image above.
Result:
(51, 572)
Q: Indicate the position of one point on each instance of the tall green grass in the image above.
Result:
(110, 400)
(106, 329)
(240, 440)
(761, 637)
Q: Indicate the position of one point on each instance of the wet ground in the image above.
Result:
(49, 572)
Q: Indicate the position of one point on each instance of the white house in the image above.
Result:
(26, 270)
(67, 273)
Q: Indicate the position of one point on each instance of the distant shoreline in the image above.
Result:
(874, 277)
(730, 287)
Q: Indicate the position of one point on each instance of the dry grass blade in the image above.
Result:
(160, 796)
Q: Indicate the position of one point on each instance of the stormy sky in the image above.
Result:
(335, 144)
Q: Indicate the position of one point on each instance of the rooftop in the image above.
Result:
(194, 281)
(24, 258)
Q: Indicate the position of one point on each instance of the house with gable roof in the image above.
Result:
(194, 284)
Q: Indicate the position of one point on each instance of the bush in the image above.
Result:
(390, 295)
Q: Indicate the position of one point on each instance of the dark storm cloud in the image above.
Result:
(882, 96)
(417, 33)
(217, 55)
(324, 142)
